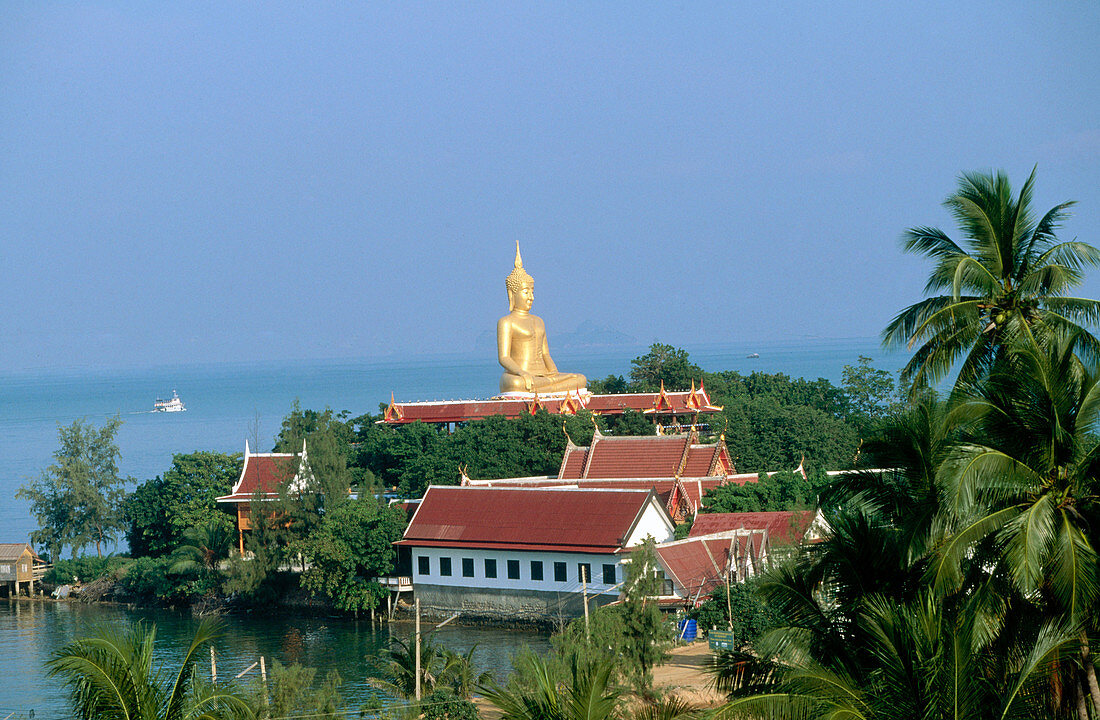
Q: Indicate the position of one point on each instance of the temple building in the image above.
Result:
(680, 469)
(526, 553)
(261, 478)
(696, 565)
(662, 406)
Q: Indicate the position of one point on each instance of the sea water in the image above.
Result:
(229, 403)
(224, 403)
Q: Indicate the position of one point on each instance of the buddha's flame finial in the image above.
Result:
(518, 277)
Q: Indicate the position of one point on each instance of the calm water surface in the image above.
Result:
(31, 631)
(223, 401)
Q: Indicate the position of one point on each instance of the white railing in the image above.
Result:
(400, 583)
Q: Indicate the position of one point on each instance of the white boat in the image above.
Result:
(172, 405)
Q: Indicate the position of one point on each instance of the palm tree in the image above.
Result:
(204, 547)
(110, 676)
(1027, 484)
(1010, 271)
(401, 667)
(914, 660)
(586, 695)
(461, 673)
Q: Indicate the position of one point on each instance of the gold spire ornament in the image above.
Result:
(522, 348)
(518, 277)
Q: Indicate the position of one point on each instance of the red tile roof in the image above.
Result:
(447, 411)
(653, 456)
(670, 491)
(572, 462)
(263, 472)
(698, 565)
(590, 520)
(784, 528)
(697, 487)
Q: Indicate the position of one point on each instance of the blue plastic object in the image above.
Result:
(688, 630)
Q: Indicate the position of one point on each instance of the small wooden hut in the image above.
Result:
(20, 566)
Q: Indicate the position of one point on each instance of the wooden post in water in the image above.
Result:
(418, 649)
(389, 607)
(263, 676)
(584, 591)
(213, 667)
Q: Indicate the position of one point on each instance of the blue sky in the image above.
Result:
(231, 181)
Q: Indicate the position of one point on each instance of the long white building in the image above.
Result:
(525, 553)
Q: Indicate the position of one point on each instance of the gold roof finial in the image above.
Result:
(568, 440)
(518, 277)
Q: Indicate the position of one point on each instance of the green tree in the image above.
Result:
(586, 695)
(328, 438)
(160, 511)
(784, 490)
(915, 660)
(750, 616)
(647, 637)
(1027, 477)
(1011, 272)
(446, 705)
(463, 674)
(870, 392)
(293, 691)
(110, 676)
(202, 551)
(352, 546)
(77, 500)
(401, 667)
(610, 385)
(663, 363)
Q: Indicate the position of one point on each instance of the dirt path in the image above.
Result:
(683, 675)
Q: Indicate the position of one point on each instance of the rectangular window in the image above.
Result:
(490, 568)
(608, 574)
(445, 567)
(467, 567)
(424, 565)
(559, 572)
(513, 569)
(536, 570)
(584, 573)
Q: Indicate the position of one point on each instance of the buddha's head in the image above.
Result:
(521, 286)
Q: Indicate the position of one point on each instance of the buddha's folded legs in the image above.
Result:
(558, 382)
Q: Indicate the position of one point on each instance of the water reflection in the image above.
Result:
(33, 630)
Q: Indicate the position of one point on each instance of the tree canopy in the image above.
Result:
(78, 499)
(160, 511)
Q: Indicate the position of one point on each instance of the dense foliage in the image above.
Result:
(742, 612)
(784, 490)
(110, 674)
(964, 581)
(159, 511)
(77, 501)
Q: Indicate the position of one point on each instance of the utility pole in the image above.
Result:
(418, 649)
(584, 592)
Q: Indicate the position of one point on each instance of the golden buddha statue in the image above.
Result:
(521, 343)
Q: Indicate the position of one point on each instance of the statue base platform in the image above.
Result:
(561, 395)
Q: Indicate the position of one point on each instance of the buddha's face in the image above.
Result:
(523, 298)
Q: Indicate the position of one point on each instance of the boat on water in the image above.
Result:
(173, 404)
(752, 356)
